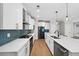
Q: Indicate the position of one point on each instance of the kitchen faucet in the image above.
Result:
(57, 33)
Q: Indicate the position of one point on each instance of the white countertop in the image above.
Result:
(69, 43)
(15, 45)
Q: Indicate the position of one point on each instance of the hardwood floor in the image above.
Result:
(40, 48)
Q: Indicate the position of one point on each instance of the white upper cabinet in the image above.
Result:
(31, 23)
(11, 16)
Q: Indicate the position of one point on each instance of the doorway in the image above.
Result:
(41, 31)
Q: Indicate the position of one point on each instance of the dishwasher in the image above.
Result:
(59, 50)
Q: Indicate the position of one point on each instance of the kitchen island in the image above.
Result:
(71, 44)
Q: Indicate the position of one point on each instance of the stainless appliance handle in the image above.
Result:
(64, 51)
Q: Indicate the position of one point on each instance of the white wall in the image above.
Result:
(41, 24)
(45, 24)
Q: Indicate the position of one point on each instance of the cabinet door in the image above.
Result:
(50, 43)
(52, 46)
(47, 40)
(1, 15)
(19, 16)
(12, 16)
(31, 22)
(25, 50)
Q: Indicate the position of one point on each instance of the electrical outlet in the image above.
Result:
(8, 35)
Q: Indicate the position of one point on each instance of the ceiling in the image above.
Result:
(47, 10)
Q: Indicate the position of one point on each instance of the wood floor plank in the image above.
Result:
(40, 48)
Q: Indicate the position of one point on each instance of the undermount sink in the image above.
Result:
(25, 36)
(55, 37)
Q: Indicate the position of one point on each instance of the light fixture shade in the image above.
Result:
(67, 18)
(38, 7)
(38, 10)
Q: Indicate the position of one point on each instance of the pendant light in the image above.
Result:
(56, 15)
(56, 20)
(38, 10)
(67, 18)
